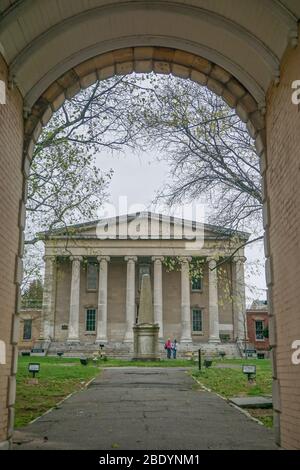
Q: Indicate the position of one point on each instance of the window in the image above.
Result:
(90, 323)
(92, 274)
(27, 329)
(197, 320)
(196, 283)
(259, 329)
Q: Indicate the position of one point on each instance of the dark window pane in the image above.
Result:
(91, 319)
(27, 329)
(196, 283)
(259, 329)
(197, 320)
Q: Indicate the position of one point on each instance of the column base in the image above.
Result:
(214, 340)
(186, 340)
(100, 341)
(73, 341)
(128, 340)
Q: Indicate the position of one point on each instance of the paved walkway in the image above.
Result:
(144, 408)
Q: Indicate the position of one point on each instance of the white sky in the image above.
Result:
(138, 177)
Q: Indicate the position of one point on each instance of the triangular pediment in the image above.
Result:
(144, 225)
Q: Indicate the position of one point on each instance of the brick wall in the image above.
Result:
(11, 181)
(283, 224)
(252, 317)
(35, 316)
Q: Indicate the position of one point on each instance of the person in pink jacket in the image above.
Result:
(168, 348)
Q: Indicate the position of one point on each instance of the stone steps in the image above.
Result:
(124, 351)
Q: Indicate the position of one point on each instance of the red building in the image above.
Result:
(258, 326)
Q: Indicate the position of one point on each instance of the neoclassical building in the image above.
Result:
(93, 276)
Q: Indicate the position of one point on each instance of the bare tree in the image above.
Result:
(208, 148)
(65, 184)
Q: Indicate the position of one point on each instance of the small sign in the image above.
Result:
(249, 369)
(33, 367)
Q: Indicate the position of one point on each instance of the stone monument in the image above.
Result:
(146, 331)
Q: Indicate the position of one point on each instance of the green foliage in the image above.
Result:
(33, 294)
(266, 332)
(230, 382)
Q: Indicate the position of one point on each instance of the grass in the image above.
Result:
(232, 382)
(57, 379)
(263, 415)
(229, 382)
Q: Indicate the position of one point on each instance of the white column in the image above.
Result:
(158, 294)
(130, 298)
(102, 300)
(239, 299)
(214, 335)
(73, 333)
(49, 292)
(186, 336)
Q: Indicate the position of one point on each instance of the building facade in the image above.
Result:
(93, 276)
(258, 326)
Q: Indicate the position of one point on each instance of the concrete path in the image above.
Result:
(144, 408)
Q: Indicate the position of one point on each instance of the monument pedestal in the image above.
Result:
(146, 342)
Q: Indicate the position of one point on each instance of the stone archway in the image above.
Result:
(231, 50)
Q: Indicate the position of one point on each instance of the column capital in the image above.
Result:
(157, 258)
(239, 259)
(76, 258)
(212, 261)
(103, 258)
(131, 258)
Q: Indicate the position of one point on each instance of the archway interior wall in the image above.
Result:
(282, 230)
(11, 242)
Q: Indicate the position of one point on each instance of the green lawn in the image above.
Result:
(57, 379)
(232, 382)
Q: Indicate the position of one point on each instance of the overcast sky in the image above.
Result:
(136, 179)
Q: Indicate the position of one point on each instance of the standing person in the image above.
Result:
(168, 348)
(174, 348)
